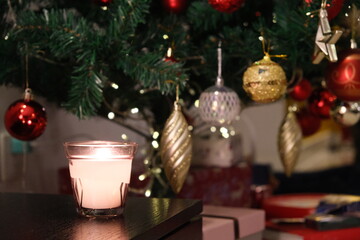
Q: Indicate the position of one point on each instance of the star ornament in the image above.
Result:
(325, 40)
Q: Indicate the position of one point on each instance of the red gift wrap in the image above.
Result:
(230, 186)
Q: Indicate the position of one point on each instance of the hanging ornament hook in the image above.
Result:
(177, 93)
(266, 49)
(323, 4)
(10, 15)
(26, 66)
(354, 19)
(177, 99)
(296, 77)
(219, 79)
(176, 103)
(28, 92)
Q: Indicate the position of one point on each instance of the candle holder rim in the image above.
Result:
(99, 143)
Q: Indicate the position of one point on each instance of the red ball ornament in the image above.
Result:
(170, 59)
(175, 6)
(321, 102)
(226, 6)
(25, 119)
(103, 3)
(309, 123)
(302, 90)
(333, 8)
(343, 76)
(308, 2)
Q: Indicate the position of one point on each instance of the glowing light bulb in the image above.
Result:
(111, 115)
(134, 110)
(155, 144)
(148, 193)
(114, 86)
(155, 135)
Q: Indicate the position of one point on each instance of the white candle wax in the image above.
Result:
(99, 181)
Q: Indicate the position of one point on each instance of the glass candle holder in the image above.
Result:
(100, 173)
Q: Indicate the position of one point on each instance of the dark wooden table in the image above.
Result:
(40, 216)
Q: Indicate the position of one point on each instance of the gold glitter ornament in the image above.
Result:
(289, 142)
(176, 148)
(265, 81)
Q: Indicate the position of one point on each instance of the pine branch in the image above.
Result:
(85, 94)
(124, 18)
(202, 17)
(152, 72)
(62, 34)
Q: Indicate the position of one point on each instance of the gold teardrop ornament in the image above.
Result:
(176, 148)
(289, 142)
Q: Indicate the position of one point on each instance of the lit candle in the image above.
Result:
(100, 174)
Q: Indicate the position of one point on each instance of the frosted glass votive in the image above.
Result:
(100, 173)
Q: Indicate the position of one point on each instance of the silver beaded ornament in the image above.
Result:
(219, 103)
(345, 113)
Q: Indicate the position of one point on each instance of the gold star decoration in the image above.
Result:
(325, 40)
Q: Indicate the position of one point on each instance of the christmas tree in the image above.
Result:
(78, 49)
(93, 57)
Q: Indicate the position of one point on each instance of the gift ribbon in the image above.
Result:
(235, 222)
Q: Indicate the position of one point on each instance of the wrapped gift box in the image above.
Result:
(301, 232)
(217, 228)
(232, 223)
(229, 186)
